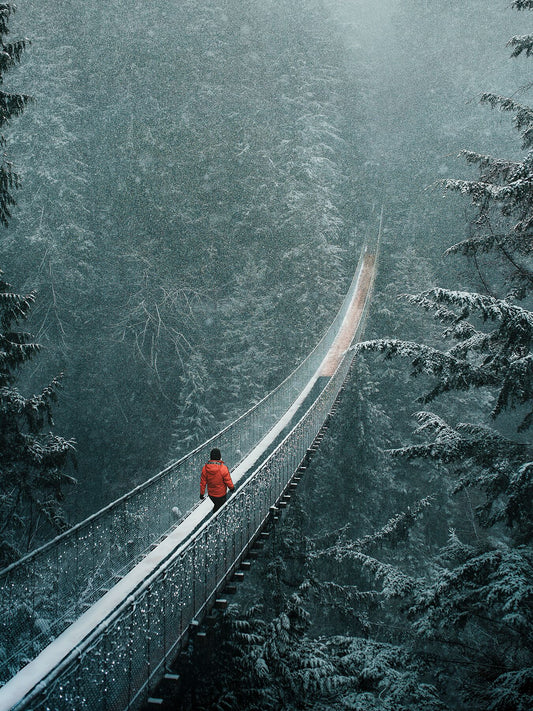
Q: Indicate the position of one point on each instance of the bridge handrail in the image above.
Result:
(208, 444)
(55, 582)
(133, 642)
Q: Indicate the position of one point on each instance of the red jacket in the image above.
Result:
(216, 476)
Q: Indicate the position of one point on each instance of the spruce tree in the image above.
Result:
(10, 105)
(31, 460)
(472, 615)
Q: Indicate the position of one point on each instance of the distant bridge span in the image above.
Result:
(97, 613)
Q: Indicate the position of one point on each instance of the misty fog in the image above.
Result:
(197, 181)
(197, 178)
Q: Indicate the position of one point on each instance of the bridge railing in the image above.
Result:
(41, 594)
(114, 667)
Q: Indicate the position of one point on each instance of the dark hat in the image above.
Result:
(215, 454)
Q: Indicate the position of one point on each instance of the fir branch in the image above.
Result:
(479, 244)
(477, 443)
(455, 551)
(523, 119)
(329, 537)
(442, 314)
(394, 530)
(347, 594)
(493, 168)
(488, 307)
(518, 509)
(511, 690)
(522, 4)
(454, 373)
(522, 274)
(397, 527)
(469, 338)
(521, 242)
(481, 193)
(458, 594)
(517, 387)
(394, 583)
(473, 341)
(13, 307)
(438, 451)
(495, 441)
(520, 44)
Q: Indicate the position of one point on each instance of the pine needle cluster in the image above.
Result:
(31, 459)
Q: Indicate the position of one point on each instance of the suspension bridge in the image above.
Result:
(91, 620)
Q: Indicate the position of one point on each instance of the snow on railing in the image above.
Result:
(41, 594)
(116, 664)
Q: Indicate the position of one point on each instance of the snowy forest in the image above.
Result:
(184, 191)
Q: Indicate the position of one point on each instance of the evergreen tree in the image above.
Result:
(473, 613)
(31, 461)
(10, 105)
(459, 618)
(502, 197)
(194, 423)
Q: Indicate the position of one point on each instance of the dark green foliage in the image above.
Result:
(31, 461)
(278, 665)
(10, 105)
(521, 44)
(472, 612)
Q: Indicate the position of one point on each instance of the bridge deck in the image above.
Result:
(59, 650)
(59, 653)
(351, 320)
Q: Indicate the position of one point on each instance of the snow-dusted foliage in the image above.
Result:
(437, 599)
(31, 460)
(395, 530)
(277, 665)
(432, 605)
(471, 611)
(187, 202)
(476, 613)
(503, 200)
(11, 105)
(500, 358)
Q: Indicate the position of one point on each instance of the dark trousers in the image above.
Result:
(218, 501)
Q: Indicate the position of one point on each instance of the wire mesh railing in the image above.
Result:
(41, 594)
(114, 667)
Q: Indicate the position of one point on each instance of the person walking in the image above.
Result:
(217, 479)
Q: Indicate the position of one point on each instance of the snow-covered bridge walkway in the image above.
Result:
(95, 615)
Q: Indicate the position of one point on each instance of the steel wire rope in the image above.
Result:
(146, 591)
(314, 422)
(151, 481)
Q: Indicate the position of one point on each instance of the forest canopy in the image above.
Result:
(431, 608)
(198, 179)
